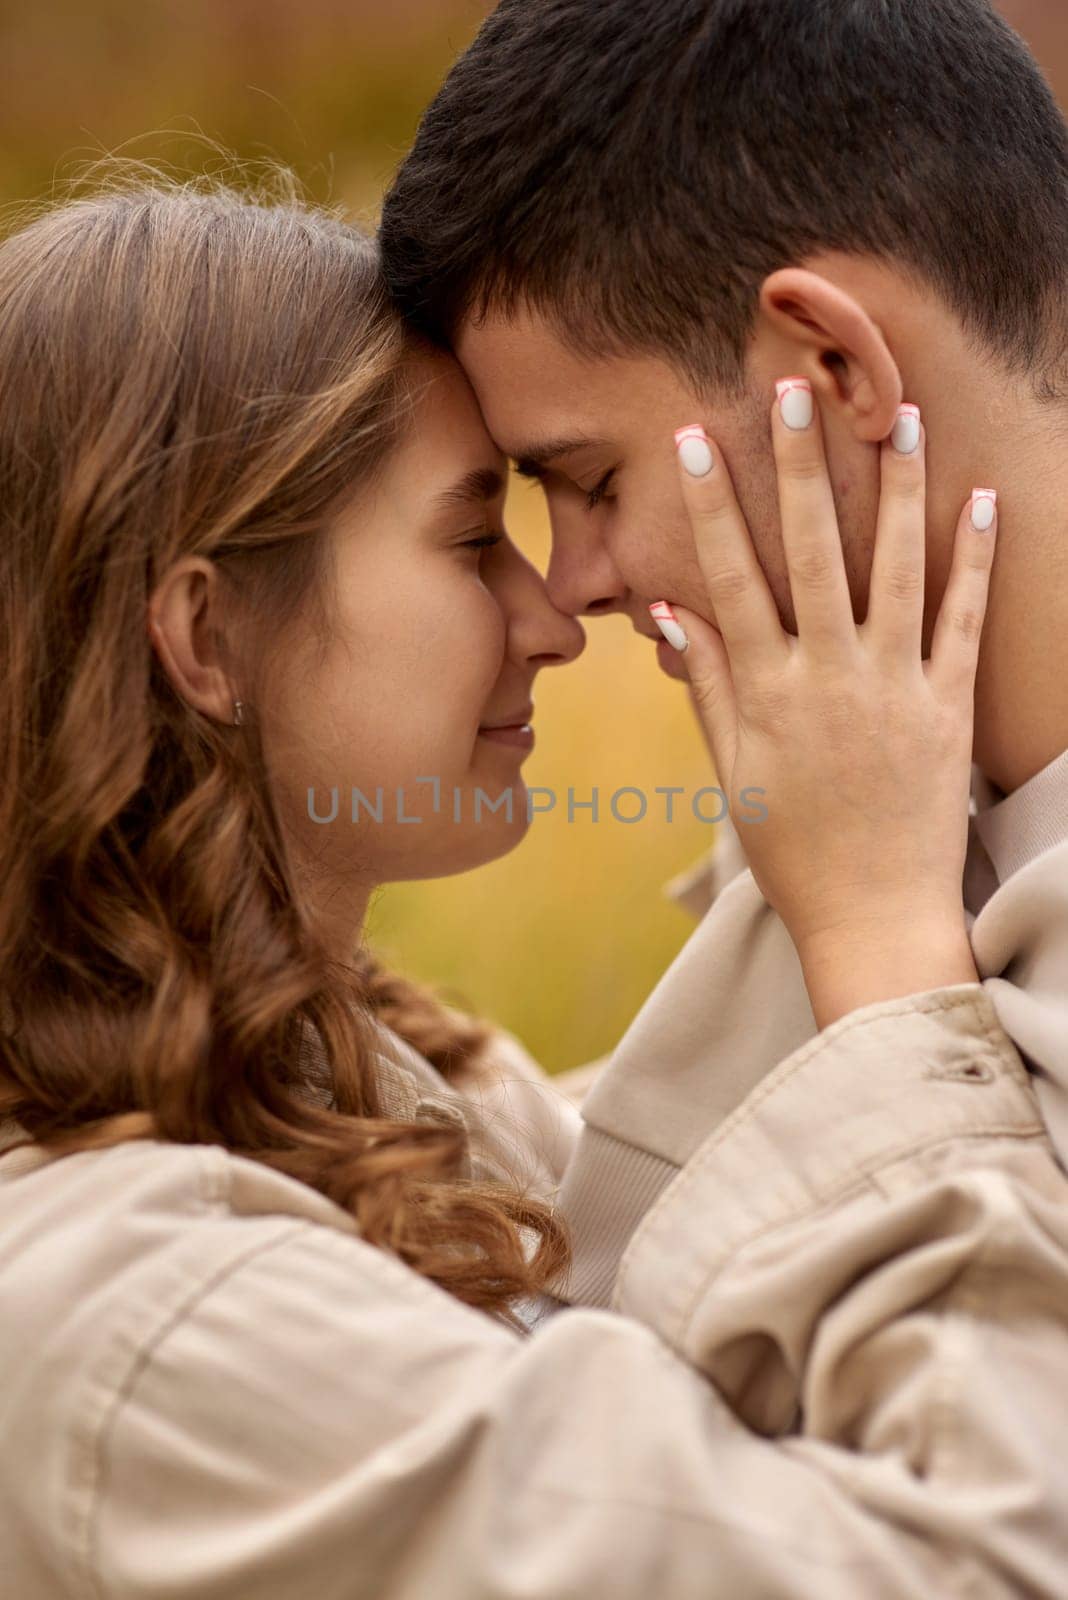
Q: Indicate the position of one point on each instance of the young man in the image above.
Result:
(626, 216)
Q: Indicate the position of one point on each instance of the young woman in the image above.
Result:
(270, 1217)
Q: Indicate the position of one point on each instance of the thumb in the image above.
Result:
(707, 666)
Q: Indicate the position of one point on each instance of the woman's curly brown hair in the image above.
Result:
(198, 369)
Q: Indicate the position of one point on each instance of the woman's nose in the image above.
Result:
(555, 641)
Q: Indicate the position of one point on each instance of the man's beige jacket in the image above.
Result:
(815, 1343)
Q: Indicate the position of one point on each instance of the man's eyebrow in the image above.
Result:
(484, 483)
(531, 461)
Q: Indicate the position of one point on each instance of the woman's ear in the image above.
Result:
(182, 625)
(835, 344)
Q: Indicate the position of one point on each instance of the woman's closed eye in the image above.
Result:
(484, 541)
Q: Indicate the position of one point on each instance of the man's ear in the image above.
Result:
(182, 625)
(835, 344)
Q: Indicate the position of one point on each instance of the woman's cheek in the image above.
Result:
(496, 646)
(475, 626)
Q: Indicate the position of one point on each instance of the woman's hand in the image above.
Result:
(862, 748)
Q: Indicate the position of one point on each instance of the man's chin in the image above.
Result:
(670, 661)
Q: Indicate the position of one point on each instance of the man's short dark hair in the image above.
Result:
(633, 169)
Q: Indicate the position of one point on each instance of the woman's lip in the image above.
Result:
(520, 736)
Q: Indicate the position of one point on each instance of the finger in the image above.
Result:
(955, 645)
(743, 608)
(895, 597)
(822, 605)
(704, 656)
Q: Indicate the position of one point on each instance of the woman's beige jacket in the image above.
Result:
(816, 1343)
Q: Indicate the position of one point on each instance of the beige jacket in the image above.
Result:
(831, 1363)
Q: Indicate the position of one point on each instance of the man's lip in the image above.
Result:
(520, 720)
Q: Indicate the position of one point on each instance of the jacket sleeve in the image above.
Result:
(835, 1368)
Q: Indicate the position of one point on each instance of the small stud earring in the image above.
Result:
(239, 713)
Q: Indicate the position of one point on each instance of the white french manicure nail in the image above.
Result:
(906, 434)
(695, 452)
(669, 625)
(795, 402)
(983, 504)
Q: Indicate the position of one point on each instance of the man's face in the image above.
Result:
(578, 420)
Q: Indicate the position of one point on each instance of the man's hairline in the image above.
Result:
(447, 335)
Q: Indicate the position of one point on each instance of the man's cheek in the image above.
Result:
(657, 558)
(686, 579)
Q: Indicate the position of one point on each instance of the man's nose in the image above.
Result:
(540, 634)
(582, 579)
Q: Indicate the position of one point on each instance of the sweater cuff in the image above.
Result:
(607, 1189)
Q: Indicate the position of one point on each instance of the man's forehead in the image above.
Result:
(536, 406)
(523, 342)
(540, 400)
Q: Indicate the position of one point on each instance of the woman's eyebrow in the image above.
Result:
(484, 483)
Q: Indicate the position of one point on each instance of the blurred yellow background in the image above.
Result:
(561, 940)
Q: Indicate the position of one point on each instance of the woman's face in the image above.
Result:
(434, 639)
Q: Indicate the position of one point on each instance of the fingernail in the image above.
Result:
(983, 504)
(669, 625)
(906, 433)
(695, 452)
(795, 401)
